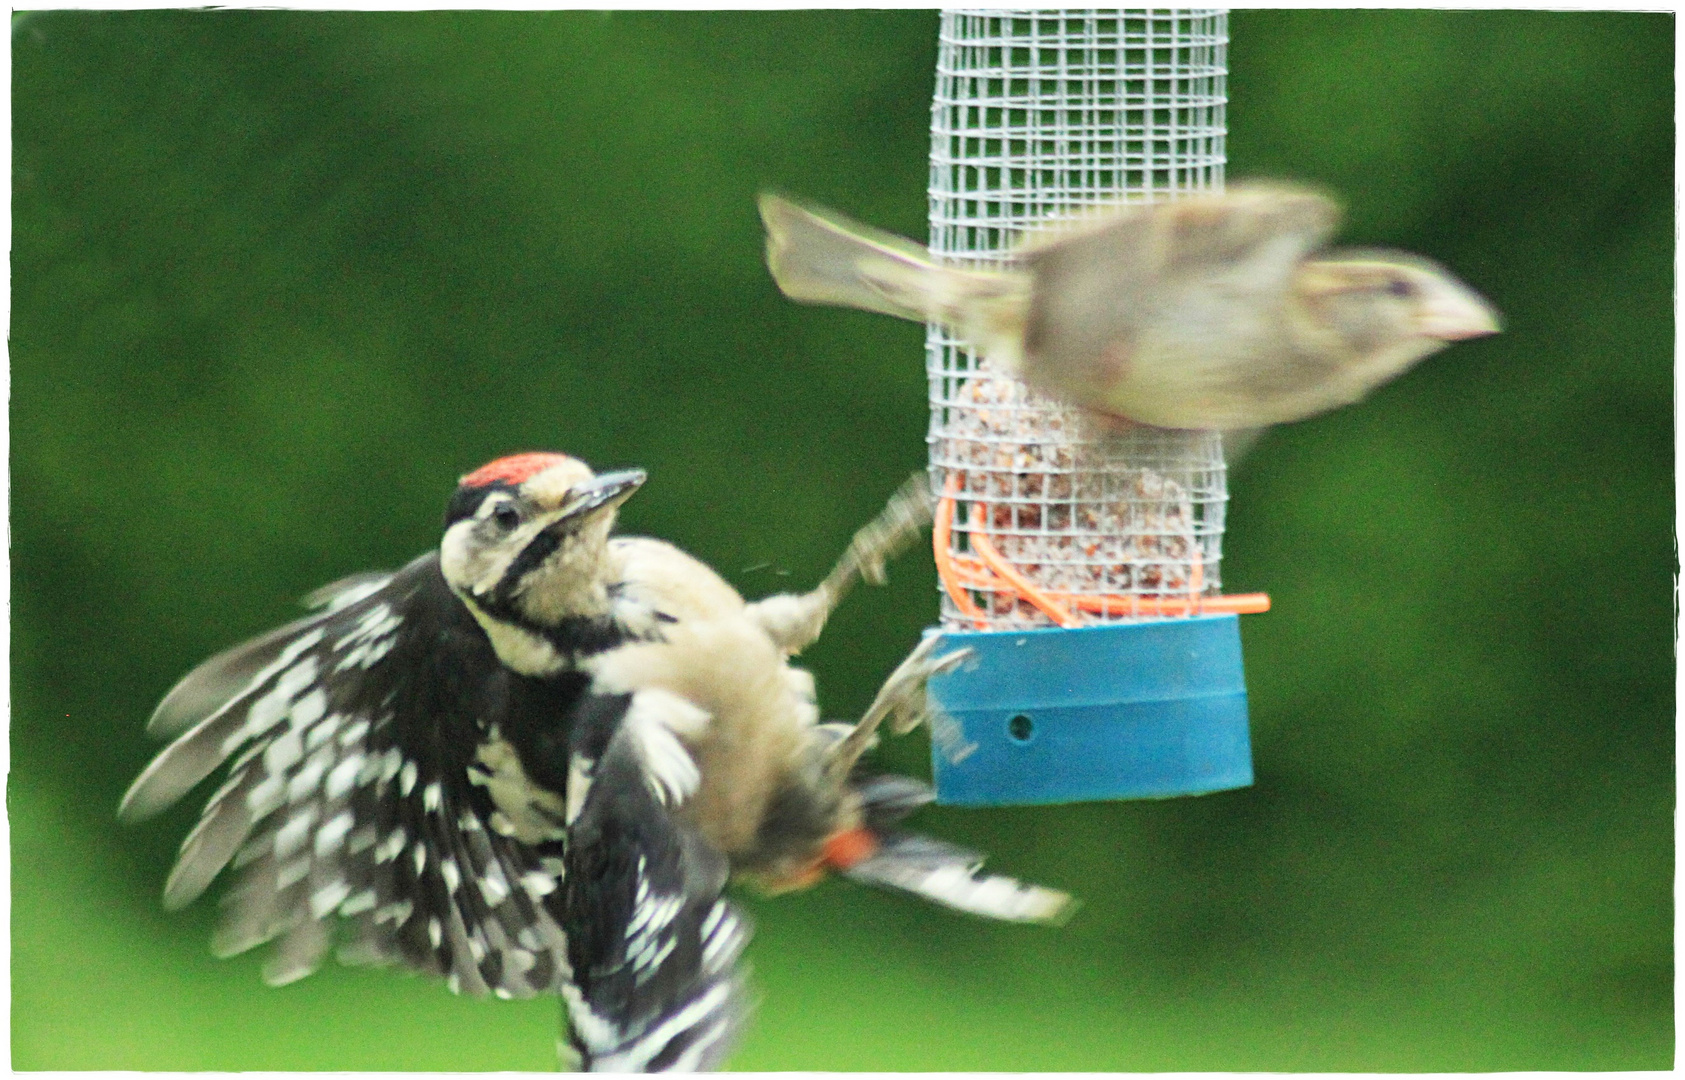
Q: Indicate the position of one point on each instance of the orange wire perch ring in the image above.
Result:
(962, 573)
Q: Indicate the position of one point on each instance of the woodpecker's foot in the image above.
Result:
(795, 621)
(902, 700)
(900, 522)
(905, 693)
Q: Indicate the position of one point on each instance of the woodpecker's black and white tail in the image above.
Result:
(936, 870)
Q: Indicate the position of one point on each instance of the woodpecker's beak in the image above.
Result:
(603, 493)
(1456, 314)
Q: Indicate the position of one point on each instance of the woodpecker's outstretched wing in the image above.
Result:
(652, 943)
(359, 792)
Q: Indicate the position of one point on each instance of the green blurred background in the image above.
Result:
(279, 278)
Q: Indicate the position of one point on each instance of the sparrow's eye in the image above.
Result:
(1401, 287)
(506, 517)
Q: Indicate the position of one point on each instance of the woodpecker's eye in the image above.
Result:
(1401, 287)
(506, 517)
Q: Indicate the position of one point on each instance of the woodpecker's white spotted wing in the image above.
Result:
(353, 734)
(393, 785)
(652, 944)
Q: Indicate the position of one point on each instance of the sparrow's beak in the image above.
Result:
(1456, 314)
(604, 493)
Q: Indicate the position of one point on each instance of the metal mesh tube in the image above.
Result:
(1037, 114)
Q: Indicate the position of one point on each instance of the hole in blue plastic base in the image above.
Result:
(1144, 710)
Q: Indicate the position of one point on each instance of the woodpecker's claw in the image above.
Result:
(906, 719)
(795, 621)
(885, 536)
(902, 698)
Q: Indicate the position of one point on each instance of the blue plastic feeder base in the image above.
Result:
(1144, 710)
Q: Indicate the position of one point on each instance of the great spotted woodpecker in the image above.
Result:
(530, 761)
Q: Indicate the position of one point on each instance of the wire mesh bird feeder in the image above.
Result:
(1083, 565)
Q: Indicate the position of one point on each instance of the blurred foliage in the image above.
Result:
(278, 278)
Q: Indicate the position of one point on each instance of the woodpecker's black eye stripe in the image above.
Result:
(539, 548)
(467, 500)
(572, 635)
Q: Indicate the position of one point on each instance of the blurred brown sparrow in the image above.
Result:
(1212, 311)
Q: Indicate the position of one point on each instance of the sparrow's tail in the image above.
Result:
(821, 257)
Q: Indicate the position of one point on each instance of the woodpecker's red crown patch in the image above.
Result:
(514, 469)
